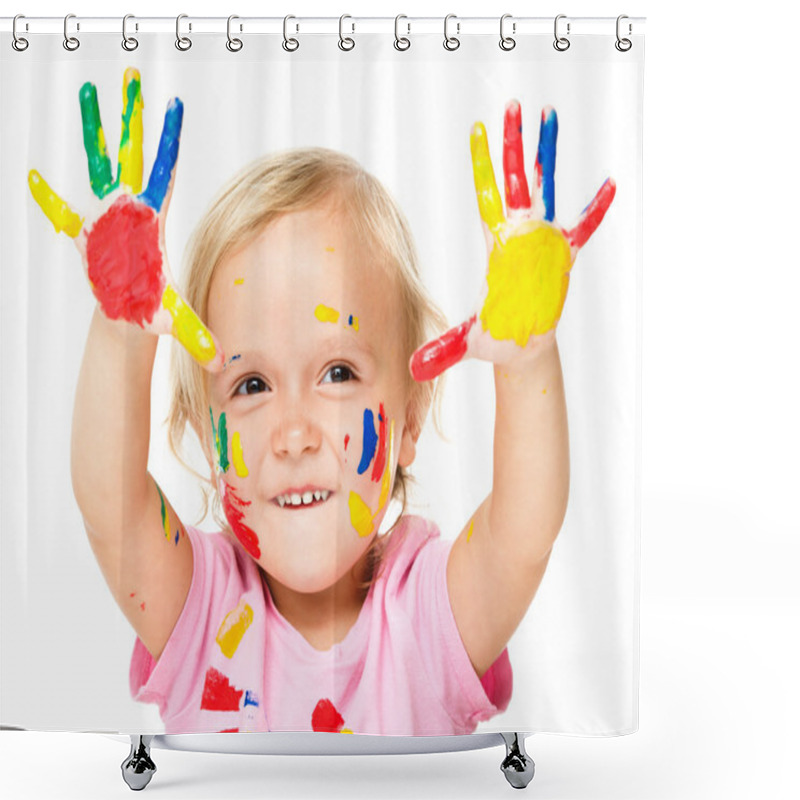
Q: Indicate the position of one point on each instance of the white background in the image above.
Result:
(719, 537)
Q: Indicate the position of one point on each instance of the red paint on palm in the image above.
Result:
(125, 262)
(218, 694)
(326, 718)
(435, 357)
(233, 506)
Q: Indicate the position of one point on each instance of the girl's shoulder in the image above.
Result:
(414, 542)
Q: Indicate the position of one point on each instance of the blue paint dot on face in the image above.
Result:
(370, 442)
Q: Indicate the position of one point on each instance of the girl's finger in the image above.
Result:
(490, 203)
(164, 166)
(94, 142)
(592, 215)
(440, 354)
(130, 140)
(545, 167)
(56, 209)
(517, 195)
(190, 331)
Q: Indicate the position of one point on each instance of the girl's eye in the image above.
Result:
(338, 374)
(251, 386)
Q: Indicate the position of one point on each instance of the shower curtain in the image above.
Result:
(514, 174)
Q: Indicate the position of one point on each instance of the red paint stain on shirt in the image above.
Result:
(125, 264)
(218, 694)
(326, 718)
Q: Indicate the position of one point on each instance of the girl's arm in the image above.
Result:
(135, 534)
(499, 559)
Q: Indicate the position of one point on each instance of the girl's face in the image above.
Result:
(312, 403)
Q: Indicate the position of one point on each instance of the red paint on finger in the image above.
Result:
(218, 694)
(233, 506)
(125, 263)
(592, 215)
(435, 357)
(517, 194)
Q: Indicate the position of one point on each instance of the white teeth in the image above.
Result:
(308, 498)
(324, 494)
(305, 499)
(296, 500)
(317, 495)
(281, 500)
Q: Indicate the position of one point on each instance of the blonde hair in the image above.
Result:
(268, 187)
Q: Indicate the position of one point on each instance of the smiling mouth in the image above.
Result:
(296, 500)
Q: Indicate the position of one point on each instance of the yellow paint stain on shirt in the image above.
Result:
(345, 730)
(187, 327)
(233, 627)
(360, 515)
(471, 528)
(326, 313)
(238, 456)
(528, 278)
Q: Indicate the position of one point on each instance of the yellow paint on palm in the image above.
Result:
(360, 515)
(238, 456)
(528, 278)
(490, 204)
(55, 208)
(187, 327)
(233, 627)
(130, 142)
(326, 313)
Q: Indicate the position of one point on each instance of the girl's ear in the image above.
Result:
(415, 415)
(408, 448)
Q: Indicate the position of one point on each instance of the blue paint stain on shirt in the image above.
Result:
(370, 441)
(250, 698)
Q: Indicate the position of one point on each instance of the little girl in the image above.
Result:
(297, 615)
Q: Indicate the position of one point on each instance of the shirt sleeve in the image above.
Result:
(466, 698)
(173, 681)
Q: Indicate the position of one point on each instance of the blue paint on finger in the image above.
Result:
(164, 165)
(546, 158)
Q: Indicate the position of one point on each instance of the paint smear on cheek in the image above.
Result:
(346, 441)
(233, 627)
(326, 313)
(218, 694)
(238, 456)
(233, 506)
(369, 441)
(220, 433)
(360, 515)
(380, 458)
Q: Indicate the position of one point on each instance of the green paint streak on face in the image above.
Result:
(221, 440)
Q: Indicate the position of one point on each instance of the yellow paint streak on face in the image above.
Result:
(55, 209)
(187, 327)
(471, 528)
(233, 627)
(326, 314)
(386, 481)
(360, 515)
(355, 323)
(528, 278)
(238, 456)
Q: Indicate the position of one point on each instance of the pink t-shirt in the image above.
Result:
(233, 662)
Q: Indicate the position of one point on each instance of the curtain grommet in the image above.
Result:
(451, 43)
(129, 43)
(183, 43)
(233, 44)
(19, 43)
(71, 43)
(561, 43)
(401, 43)
(289, 44)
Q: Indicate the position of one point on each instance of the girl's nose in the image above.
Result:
(295, 435)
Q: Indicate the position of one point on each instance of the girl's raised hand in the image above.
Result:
(122, 244)
(529, 254)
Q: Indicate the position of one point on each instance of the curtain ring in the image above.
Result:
(451, 42)
(401, 42)
(70, 42)
(233, 44)
(290, 45)
(129, 43)
(19, 43)
(345, 42)
(561, 43)
(506, 42)
(183, 43)
(623, 45)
